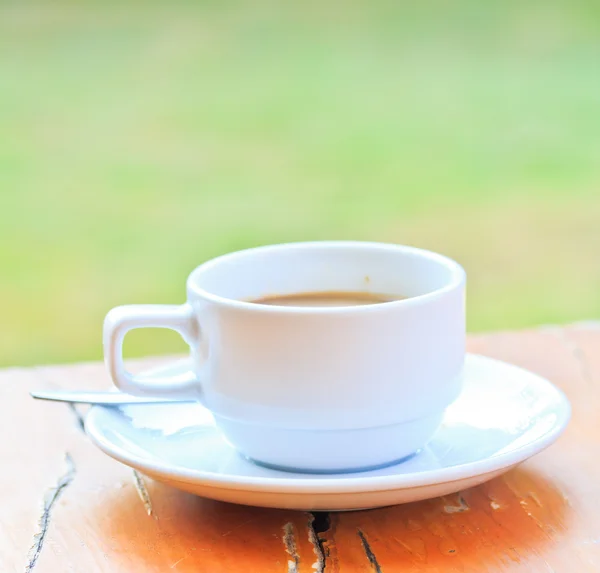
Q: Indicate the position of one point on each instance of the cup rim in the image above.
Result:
(458, 279)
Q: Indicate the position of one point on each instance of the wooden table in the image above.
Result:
(65, 506)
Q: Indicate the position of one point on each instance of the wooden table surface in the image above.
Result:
(66, 507)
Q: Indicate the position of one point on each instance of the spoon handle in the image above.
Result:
(98, 398)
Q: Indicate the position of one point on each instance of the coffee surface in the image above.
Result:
(326, 298)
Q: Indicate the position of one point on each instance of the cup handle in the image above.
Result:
(120, 320)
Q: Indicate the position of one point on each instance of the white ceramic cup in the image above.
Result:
(320, 389)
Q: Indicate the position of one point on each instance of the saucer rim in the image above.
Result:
(347, 482)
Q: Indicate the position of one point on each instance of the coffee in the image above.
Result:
(326, 298)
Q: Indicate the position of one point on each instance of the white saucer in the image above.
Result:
(504, 416)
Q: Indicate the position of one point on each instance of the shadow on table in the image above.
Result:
(505, 521)
(188, 533)
(509, 519)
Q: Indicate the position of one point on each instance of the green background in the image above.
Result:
(139, 139)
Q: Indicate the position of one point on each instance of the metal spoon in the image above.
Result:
(99, 398)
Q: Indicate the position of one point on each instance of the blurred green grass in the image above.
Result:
(139, 139)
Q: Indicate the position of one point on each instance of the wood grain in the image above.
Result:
(67, 507)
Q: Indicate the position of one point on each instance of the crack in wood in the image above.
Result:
(460, 508)
(577, 352)
(140, 487)
(369, 552)
(289, 541)
(50, 500)
(319, 522)
(79, 419)
(582, 362)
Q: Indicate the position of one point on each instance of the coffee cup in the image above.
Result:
(313, 388)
